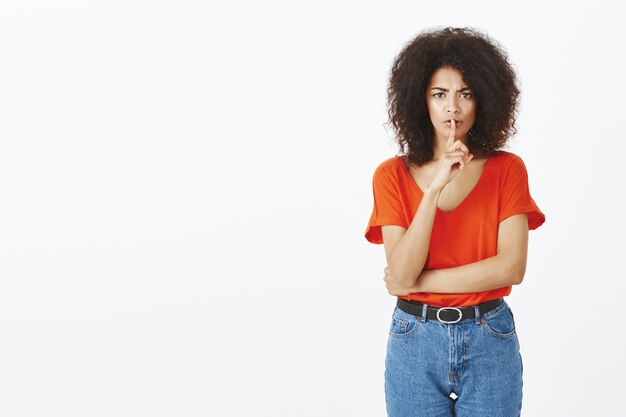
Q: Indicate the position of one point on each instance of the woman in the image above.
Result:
(453, 212)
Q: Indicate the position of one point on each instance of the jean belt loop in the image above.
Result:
(424, 310)
(477, 314)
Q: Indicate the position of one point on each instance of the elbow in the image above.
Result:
(406, 281)
(404, 278)
(517, 272)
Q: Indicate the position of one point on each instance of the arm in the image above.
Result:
(487, 274)
(406, 249)
(506, 268)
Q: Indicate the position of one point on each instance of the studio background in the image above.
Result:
(185, 186)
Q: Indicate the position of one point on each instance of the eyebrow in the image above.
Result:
(446, 90)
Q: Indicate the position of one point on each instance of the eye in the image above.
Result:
(469, 95)
(437, 94)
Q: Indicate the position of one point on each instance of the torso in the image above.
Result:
(457, 190)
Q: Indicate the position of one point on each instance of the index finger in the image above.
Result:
(452, 132)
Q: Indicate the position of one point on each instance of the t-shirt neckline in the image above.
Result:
(415, 185)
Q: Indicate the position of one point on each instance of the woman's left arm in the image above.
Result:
(506, 268)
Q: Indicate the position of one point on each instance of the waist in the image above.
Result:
(446, 314)
(459, 299)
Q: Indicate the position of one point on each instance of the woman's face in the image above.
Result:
(447, 96)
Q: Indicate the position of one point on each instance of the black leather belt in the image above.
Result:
(446, 314)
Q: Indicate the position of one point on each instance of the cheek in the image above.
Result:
(471, 111)
(432, 108)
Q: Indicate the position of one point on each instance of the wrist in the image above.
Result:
(432, 192)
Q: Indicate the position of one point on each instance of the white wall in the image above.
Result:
(184, 188)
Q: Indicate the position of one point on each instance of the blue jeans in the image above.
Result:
(477, 359)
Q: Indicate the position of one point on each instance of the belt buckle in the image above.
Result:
(450, 308)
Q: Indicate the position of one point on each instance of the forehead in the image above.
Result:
(447, 76)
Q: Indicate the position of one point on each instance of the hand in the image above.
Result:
(394, 287)
(451, 161)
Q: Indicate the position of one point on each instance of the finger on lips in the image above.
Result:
(451, 134)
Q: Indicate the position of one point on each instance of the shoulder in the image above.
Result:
(505, 156)
(389, 167)
(391, 163)
(507, 160)
(511, 169)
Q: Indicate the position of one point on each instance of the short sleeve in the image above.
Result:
(388, 207)
(515, 195)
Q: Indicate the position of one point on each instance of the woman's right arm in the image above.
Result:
(406, 249)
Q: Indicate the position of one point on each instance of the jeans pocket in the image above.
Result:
(501, 323)
(402, 323)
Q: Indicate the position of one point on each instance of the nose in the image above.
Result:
(453, 106)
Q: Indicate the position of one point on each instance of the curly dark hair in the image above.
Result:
(484, 67)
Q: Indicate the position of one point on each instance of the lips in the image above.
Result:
(448, 121)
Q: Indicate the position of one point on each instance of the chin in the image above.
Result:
(446, 133)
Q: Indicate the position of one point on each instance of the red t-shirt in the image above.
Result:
(467, 234)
